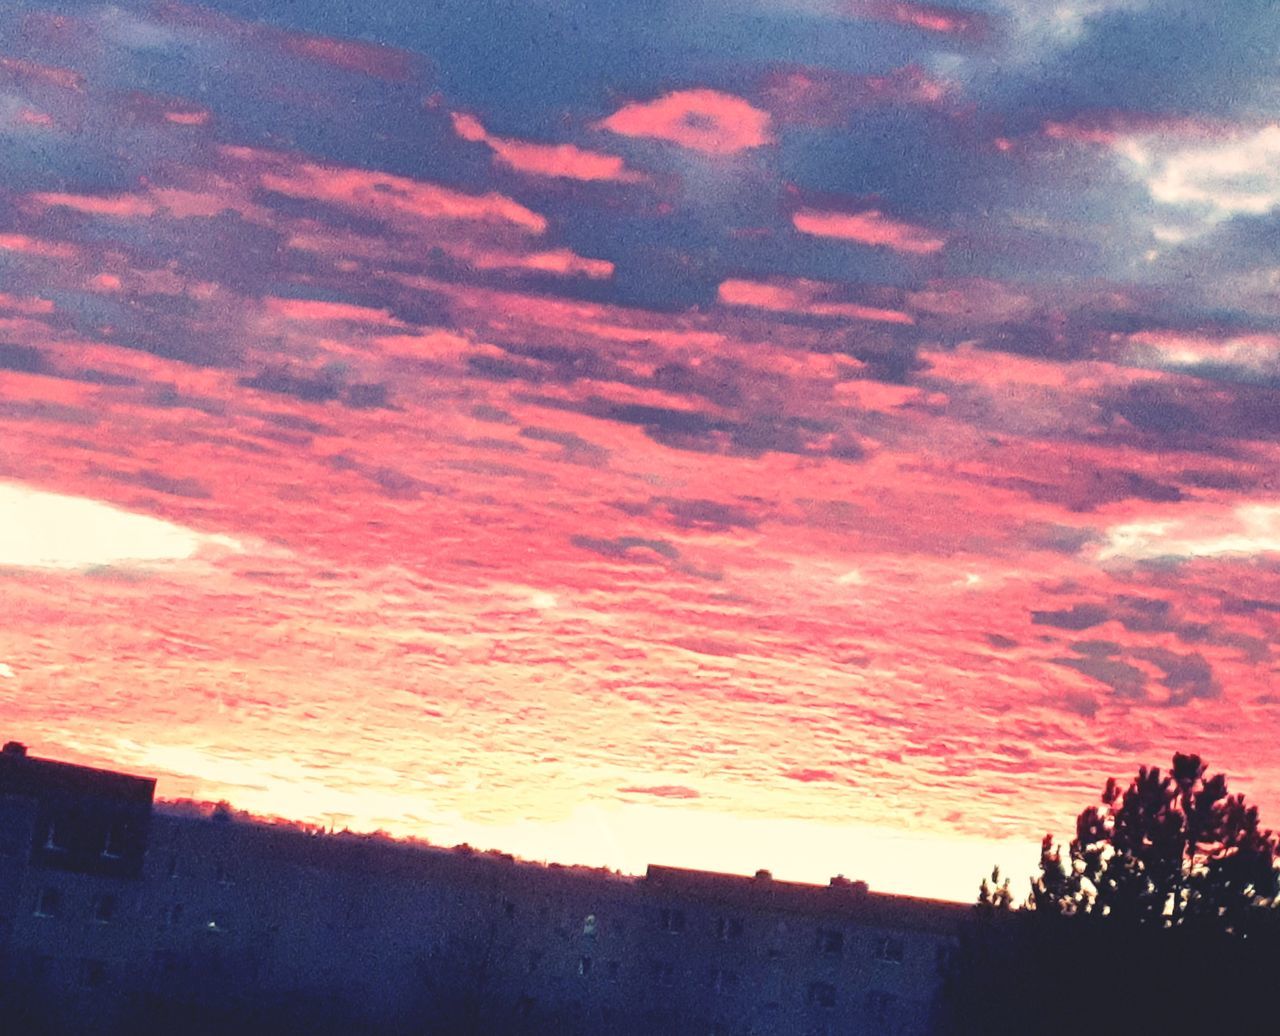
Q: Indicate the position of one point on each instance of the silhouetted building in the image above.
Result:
(186, 918)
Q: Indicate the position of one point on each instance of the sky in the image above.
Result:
(825, 435)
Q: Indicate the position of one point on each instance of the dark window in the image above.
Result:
(672, 921)
(889, 949)
(104, 908)
(93, 973)
(113, 848)
(821, 994)
(172, 869)
(508, 908)
(584, 966)
(728, 928)
(830, 942)
(662, 972)
(612, 968)
(535, 958)
(723, 981)
(880, 1005)
(56, 836)
(526, 1006)
(49, 903)
(221, 875)
(616, 926)
(171, 915)
(942, 955)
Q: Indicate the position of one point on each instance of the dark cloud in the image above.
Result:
(633, 548)
(325, 386)
(1077, 617)
(576, 448)
(1186, 677)
(1127, 681)
(707, 514)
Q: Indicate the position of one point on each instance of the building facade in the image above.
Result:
(120, 916)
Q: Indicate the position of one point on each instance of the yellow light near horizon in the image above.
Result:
(623, 836)
(48, 530)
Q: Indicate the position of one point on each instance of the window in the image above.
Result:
(723, 981)
(589, 926)
(830, 942)
(93, 973)
(880, 1005)
(662, 972)
(113, 848)
(821, 994)
(889, 949)
(172, 869)
(56, 837)
(584, 966)
(104, 908)
(221, 875)
(508, 909)
(525, 1006)
(943, 953)
(49, 903)
(612, 968)
(672, 921)
(535, 958)
(171, 915)
(728, 928)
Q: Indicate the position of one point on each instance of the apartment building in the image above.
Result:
(116, 912)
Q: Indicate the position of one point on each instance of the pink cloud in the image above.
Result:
(973, 301)
(1108, 128)
(356, 56)
(823, 96)
(702, 120)
(946, 21)
(319, 310)
(386, 194)
(804, 296)
(31, 117)
(352, 55)
(564, 161)
(869, 227)
(33, 72)
(559, 261)
(31, 306)
(119, 206)
(26, 245)
(188, 117)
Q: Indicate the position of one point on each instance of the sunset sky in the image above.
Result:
(824, 435)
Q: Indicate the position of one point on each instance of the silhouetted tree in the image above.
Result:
(1170, 849)
(995, 896)
(1159, 918)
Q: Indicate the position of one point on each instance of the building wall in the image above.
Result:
(226, 918)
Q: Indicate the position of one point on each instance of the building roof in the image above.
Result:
(22, 774)
(846, 901)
